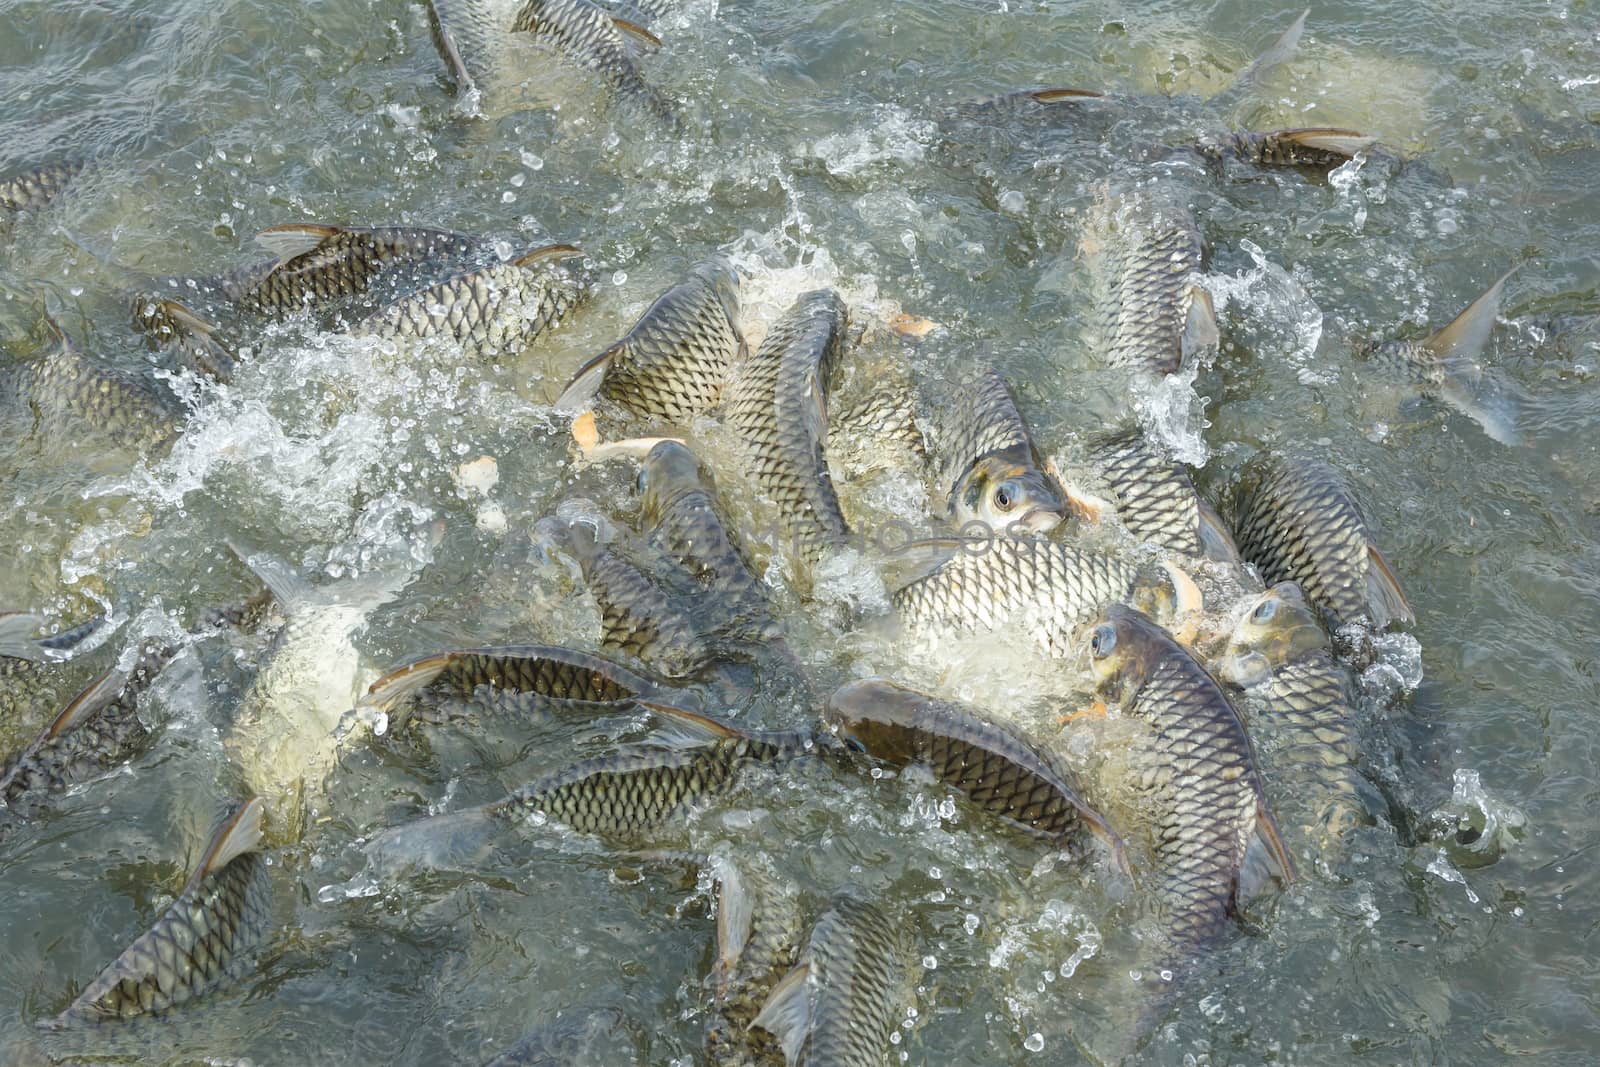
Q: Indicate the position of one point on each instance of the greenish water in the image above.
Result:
(811, 155)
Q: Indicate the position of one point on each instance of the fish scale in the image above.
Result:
(979, 418)
(1156, 501)
(490, 311)
(65, 383)
(638, 618)
(1319, 147)
(777, 402)
(1046, 587)
(1148, 273)
(589, 36)
(33, 189)
(766, 948)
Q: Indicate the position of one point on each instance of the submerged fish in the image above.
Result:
(595, 1036)
(853, 983)
(997, 768)
(491, 311)
(758, 941)
(1296, 520)
(171, 326)
(672, 365)
(1446, 367)
(318, 264)
(625, 796)
(604, 43)
(35, 189)
(1146, 252)
(283, 733)
(777, 403)
(986, 469)
(536, 676)
(28, 677)
(876, 424)
(1154, 498)
(200, 942)
(98, 729)
(65, 385)
(1196, 773)
(1044, 588)
(1279, 653)
(1321, 147)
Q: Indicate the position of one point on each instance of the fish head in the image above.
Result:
(724, 281)
(1011, 497)
(668, 470)
(1277, 628)
(1123, 645)
(875, 717)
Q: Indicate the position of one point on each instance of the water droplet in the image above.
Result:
(619, 278)
(1035, 1042)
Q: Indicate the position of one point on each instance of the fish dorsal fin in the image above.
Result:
(287, 585)
(735, 915)
(1463, 339)
(681, 728)
(1059, 96)
(638, 38)
(238, 834)
(787, 1013)
(186, 318)
(445, 42)
(551, 253)
(87, 704)
(1342, 142)
(16, 635)
(1279, 53)
(1385, 599)
(586, 381)
(816, 404)
(1265, 857)
(1199, 326)
(404, 681)
(294, 239)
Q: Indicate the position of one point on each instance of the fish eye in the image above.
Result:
(1265, 610)
(1103, 641)
(1006, 495)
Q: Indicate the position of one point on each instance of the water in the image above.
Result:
(1459, 932)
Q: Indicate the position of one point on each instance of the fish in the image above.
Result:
(65, 386)
(777, 403)
(173, 327)
(201, 942)
(1043, 587)
(1279, 654)
(996, 767)
(759, 927)
(625, 796)
(525, 676)
(491, 311)
(283, 731)
(318, 264)
(679, 513)
(672, 365)
(877, 425)
(25, 675)
(1296, 519)
(597, 1036)
(1320, 147)
(32, 190)
(1446, 367)
(1146, 253)
(98, 729)
(601, 42)
(1155, 500)
(853, 982)
(1197, 774)
(986, 468)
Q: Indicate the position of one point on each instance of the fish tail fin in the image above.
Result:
(787, 1013)
(16, 636)
(1457, 349)
(239, 833)
(291, 589)
(1486, 401)
(1385, 599)
(1281, 50)
(736, 906)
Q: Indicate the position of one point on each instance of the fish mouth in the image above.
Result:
(1038, 520)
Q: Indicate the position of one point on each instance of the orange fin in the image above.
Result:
(637, 34)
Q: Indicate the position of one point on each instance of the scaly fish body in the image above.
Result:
(1147, 254)
(987, 470)
(65, 384)
(1155, 499)
(1046, 588)
(492, 311)
(28, 666)
(1296, 520)
(200, 941)
(1280, 655)
(594, 39)
(758, 941)
(34, 189)
(672, 365)
(1319, 147)
(877, 426)
(173, 327)
(1196, 772)
(97, 730)
(777, 403)
(998, 769)
(842, 1000)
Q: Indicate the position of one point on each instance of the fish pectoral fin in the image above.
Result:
(239, 833)
(586, 382)
(639, 39)
(787, 1013)
(16, 636)
(681, 728)
(735, 916)
(1384, 597)
(1265, 858)
(402, 683)
(294, 239)
(915, 560)
(1096, 710)
(1467, 334)
(1200, 330)
(1083, 504)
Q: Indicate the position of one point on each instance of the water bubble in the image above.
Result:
(1012, 202)
(1035, 1042)
(930, 963)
